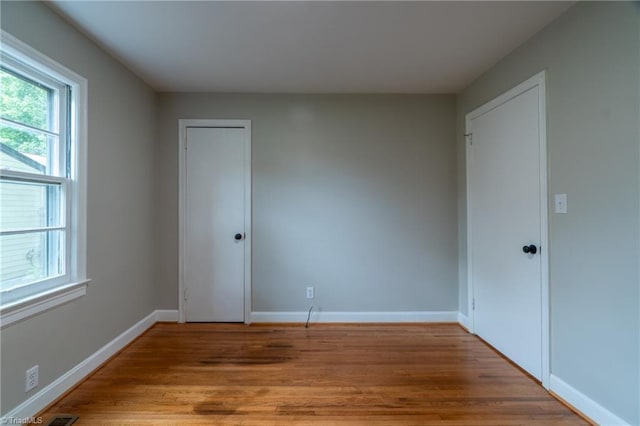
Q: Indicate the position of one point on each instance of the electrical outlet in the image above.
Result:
(31, 378)
(309, 292)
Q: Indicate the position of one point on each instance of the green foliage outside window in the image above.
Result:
(24, 102)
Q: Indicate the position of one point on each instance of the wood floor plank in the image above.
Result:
(326, 374)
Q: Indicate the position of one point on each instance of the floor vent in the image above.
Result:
(62, 420)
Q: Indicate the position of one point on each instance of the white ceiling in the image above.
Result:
(309, 47)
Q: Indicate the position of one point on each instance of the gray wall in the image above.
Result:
(591, 54)
(121, 136)
(353, 194)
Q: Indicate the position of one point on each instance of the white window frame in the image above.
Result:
(75, 280)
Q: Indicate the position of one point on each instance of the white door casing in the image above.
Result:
(214, 206)
(506, 210)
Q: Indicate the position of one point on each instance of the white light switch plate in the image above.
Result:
(561, 203)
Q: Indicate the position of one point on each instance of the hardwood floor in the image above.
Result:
(323, 375)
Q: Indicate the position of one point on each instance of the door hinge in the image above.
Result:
(185, 295)
(469, 137)
(473, 304)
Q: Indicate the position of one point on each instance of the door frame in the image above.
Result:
(538, 80)
(183, 125)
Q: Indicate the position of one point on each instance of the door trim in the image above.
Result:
(183, 124)
(538, 80)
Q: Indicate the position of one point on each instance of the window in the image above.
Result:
(42, 188)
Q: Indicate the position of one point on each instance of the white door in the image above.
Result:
(507, 193)
(214, 224)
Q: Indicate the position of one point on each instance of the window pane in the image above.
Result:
(24, 101)
(26, 151)
(29, 205)
(31, 257)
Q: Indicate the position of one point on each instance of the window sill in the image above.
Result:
(28, 307)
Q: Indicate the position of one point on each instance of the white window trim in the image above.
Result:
(76, 287)
(44, 301)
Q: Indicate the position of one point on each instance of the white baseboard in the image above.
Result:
(356, 317)
(166, 315)
(463, 320)
(62, 384)
(583, 403)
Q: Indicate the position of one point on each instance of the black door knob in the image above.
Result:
(238, 237)
(530, 249)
